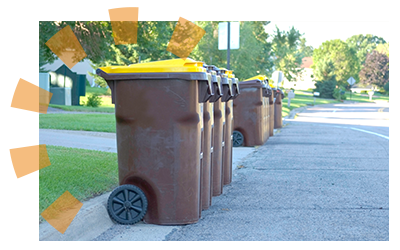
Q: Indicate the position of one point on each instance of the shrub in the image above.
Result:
(93, 100)
(325, 88)
(386, 87)
(339, 93)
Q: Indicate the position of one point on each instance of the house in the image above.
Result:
(305, 81)
(83, 68)
(358, 88)
(66, 86)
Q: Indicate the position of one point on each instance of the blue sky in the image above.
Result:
(318, 32)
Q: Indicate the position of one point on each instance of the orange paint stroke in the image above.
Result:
(185, 37)
(62, 211)
(181, 18)
(124, 23)
(27, 160)
(124, 14)
(67, 47)
(30, 97)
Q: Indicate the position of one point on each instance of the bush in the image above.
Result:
(325, 88)
(339, 93)
(386, 87)
(93, 100)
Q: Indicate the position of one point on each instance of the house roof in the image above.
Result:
(306, 62)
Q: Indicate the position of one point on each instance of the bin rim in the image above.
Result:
(200, 76)
(259, 77)
(163, 66)
(254, 83)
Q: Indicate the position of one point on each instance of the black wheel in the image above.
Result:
(127, 204)
(238, 139)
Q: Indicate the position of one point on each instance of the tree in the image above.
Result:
(383, 49)
(42, 61)
(252, 58)
(386, 87)
(289, 48)
(306, 50)
(344, 59)
(95, 38)
(375, 70)
(288, 57)
(324, 74)
(363, 45)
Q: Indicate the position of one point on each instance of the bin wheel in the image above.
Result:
(127, 204)
(238, 139)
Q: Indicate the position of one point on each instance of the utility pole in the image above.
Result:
(229, 46)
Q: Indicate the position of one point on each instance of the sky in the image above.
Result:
(318, 32)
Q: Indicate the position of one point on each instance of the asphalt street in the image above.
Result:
(323, 176)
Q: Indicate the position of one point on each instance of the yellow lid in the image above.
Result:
(173, 65)
(259, 77)
(229, 73)
(271, 83)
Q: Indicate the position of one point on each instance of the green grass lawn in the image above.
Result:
(84, 173)
(302, 98)
(86, 122)
(84, 108)
(365, 98)
(99, 91)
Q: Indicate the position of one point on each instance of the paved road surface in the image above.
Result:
(318, 179)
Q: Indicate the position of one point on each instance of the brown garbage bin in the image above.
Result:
(158, 111)
(220, 130)
(278, 109)
(267, 93)
(271, 113)
(249, 112)
(208, 143)
(227, 165)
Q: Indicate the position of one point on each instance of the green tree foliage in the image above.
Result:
(375, 70)
(363, 45)
(289, 48)
(252, 58)
(343, 57)
(383, 49)
(254, 55)
(95, 38)
(386, 87)
(326, 82)
(305, 49)
(42, 61)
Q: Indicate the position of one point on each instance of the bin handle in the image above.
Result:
(209, 85)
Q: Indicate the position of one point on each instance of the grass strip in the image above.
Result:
(84, 173)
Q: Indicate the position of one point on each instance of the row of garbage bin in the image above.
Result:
(257, 112)
(174, 126)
